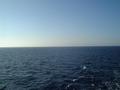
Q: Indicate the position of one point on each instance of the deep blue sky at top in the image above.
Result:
(59, 22)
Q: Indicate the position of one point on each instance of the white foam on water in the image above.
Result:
(68, 86)
(74, 80)
(92, 84)
(84, 67)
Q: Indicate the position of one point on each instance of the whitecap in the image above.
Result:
(84, 67)
(92, 84)
(74, 80)
(68, 86)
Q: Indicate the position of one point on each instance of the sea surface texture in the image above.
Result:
(65, 68)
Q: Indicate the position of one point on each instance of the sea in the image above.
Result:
(60, 68)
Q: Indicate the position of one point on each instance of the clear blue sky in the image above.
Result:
(59, 23)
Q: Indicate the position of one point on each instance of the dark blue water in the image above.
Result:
(70, 68)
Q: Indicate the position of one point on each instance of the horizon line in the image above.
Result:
(61, 46)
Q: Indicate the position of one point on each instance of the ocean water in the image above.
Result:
(63, 68)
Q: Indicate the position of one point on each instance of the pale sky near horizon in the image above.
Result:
(35, 23)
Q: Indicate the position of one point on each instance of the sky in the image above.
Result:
(39, 23)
